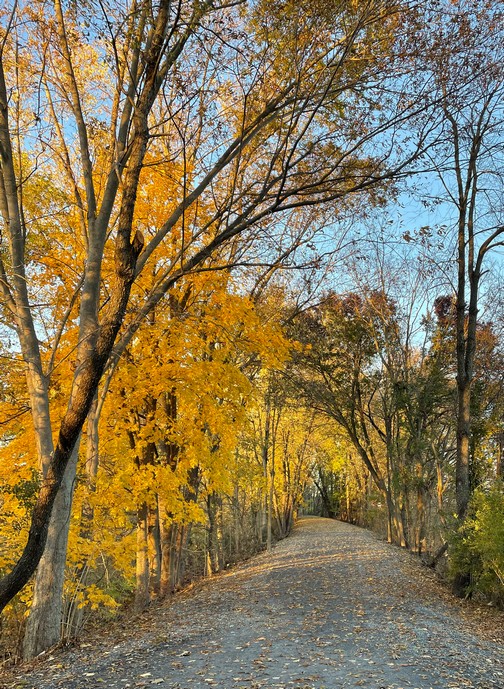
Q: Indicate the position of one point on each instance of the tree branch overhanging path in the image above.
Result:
(163, 167)
(330, 606)
(264, 153)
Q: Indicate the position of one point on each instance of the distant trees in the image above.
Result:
(357, 371)
(395, 402)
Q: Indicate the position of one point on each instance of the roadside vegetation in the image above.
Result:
(250, 264)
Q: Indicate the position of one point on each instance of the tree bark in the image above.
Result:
(499, 464)
(142, 592)
(43, 628)
(155, 547)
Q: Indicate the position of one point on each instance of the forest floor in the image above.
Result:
(331, 607)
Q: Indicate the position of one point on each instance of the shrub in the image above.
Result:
(478, 546)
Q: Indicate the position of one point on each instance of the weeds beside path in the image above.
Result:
(331, 607)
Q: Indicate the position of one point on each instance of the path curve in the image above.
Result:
(331, 607)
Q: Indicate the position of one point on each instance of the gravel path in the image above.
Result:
(331, 607)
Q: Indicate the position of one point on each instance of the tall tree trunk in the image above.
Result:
(142, 592)
(462, 475)
(420, 521)
(167, 555)
(265, 462)
(214, 534)
(462, 486)
(155, 547)
(468, 276)
(395, 525)
(499, 464)
(164, 581)
(347, 498)
(211, 559)
(43, 628)
(237, 522)
(271, 489)
(174, 539)
(76, 611)
(403, 518)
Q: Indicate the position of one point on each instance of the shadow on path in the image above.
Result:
(331, 607)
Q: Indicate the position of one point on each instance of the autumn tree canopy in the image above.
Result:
(160, 164)
(239, 119)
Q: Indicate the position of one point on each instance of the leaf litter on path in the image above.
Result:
(331, 607)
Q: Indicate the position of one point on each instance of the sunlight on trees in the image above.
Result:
(184, 191)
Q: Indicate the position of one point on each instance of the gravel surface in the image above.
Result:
(331, 607)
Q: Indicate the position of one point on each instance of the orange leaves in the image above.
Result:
(177, 405)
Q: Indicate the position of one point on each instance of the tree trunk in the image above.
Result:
(166, 533)
(462, 482)
(420, 521)
(142, 593)
(395, 531)
(155, 547)
(326, 493)
(499, 464)
(74, 616)
(237, 523)
(173, 541)
(43, 628)
(269, 523)
(212, 557)
(178, 561)
(347, 499)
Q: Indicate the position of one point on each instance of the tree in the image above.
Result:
(105, 94)
(467, 158)
(338, 378)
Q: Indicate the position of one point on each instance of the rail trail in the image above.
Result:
(331, 607)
